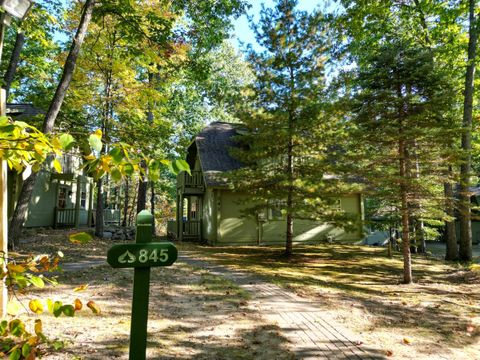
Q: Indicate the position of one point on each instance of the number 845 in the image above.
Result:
(154, 255)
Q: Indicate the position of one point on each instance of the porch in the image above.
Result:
(189, 229)
(71, 217)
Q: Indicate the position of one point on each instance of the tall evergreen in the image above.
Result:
(398, 127)
(289, 142)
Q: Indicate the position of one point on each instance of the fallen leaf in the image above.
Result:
(81, 288)
(406, 341)
(94, 307)
(36, 306)
(389, 353)
(470, 328)
(78, 305)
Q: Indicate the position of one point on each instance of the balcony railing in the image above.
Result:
(194, 181)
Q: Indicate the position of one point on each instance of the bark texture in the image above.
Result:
(465, 250)
(99, 227)
(450, 233)
(407, 257)
(21, 208)
(14, 60)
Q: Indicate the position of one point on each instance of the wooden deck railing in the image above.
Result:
(111, 216)
(192, 229)
(64, 217)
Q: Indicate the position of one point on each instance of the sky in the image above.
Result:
(243, 33)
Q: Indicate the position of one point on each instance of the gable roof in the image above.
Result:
(22, 111)
(213, 147)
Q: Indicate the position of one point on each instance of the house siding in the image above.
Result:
(233, 227)
(209, 217)
(42, 203)
(237, 229)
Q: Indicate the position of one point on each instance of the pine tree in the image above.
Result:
(288, 144)
(398, 129)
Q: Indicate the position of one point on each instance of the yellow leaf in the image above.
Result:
(38, 326)
(81, 288)
(36, 306)
(94, 307)
(57, 166)
(13, 308)
(78, 305)
(406, 341)
(38, 149)
(33, 340)
(15, 268)
(98, 132)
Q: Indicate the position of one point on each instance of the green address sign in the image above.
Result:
(142, 255)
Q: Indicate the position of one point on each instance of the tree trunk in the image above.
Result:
(131, 215)
(450, 231)
(142, 193)
(407, 257)
(99, 228)
(465, 251)
(69, 67)
(14, 60)
(20, 212)
(126, 201)
(289, 238)
(152, 204)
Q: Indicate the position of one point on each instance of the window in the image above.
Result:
(62, 197)
(277, 210)
(83, 199)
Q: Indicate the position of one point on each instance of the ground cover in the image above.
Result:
(193, 315)
(437, 317)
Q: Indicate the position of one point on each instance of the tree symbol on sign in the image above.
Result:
(126, 257)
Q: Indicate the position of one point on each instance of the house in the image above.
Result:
(58, 199)
(209, 210)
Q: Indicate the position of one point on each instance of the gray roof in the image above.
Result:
(22, 111)
(213, 144)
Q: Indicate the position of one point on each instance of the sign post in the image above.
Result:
(141, 256)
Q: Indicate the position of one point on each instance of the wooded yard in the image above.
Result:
(195, 315)
(439, 315)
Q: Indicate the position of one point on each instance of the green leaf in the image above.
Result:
(57, 308)
(68, 310)
(95, 142)
(3, 327)
(57, 345)
(67, 141)
(117, 155)
(128, 168)
(17, 327)
(26, 348)
(181, 165)
(37, 281)
(15, 354)
(80, 238)
(116, 174)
